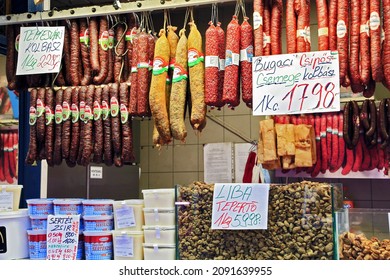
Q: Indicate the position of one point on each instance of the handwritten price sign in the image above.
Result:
(296, 83)
(62, 237)
(40, 50)
(240, 206)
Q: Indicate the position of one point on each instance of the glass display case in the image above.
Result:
(300, 225)
(362, 234)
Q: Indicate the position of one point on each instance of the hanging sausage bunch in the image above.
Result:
(8, 156)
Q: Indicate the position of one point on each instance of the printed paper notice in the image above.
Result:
(241, 153)
(39, 49)
(240, 206)
(217, 162)
(62, 237)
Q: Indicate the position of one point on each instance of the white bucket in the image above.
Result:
(128, 245)
(68, 206)
(92, 207)
(38, 222)
(98, 245)
(10, 197)
(159, 198)
(159, 216)
(37, 244)
(98, 223)
(160, 234)
(40, 206)
(128, 214)
(159, 251)
(13, 234)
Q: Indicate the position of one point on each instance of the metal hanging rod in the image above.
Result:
(138, 6)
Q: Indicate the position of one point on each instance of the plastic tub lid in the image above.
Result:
(158, 246)
(14, 214)
(158, 210)
(41, 217)
(158, 227)
(127, 232)
(39, 201)
(129, 202)
(67, 201)
(10, 187)
(36, 232)
(98, 217)
(96, 233)
(148, 191)
(97, 201)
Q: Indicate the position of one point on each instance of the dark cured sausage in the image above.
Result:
(82, 94)
(74, 144)
(11, 57)
(66, 122)
(143, 74)
(323, 25)
(267, 28)
(111, 54)
(231, 94)
(107, 147)
(342, 39)
(66, 54)
(276, 27)
(258, 10)
(57, 155)
(84, 49)
(88, 125)
(365, 58)
(41, 115)
(74, 34)
(32, 148)
(375, 40)
(103, 51)
(49, 135)
(134, 75)
(354, 40)
(97, 126)
(211, 66)
(94, 45)
(291, 27)
(119, 51)
(127, 133)
(115, 120)
(332, 24)
(246, 47)
(386, 44)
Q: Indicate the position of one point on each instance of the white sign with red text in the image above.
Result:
(296, 83)
(240, 206)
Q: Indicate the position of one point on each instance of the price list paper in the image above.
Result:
(62, 236)
(39, 49)
(240, 206)
(296, 83)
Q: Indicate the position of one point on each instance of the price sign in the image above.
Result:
(296, 83)
(240, 206)
(62, 237)
(40, 49)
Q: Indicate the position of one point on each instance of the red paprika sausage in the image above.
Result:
(342, 38)
(323, 25)
(375, 40)
(365, 58)
(291, 27)
(246, 54)
(258, 10)
(276, 27)
(211, 66)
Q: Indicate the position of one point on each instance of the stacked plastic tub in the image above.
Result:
(128, 236)
(159, 228)
(38, 210)
(98, 224)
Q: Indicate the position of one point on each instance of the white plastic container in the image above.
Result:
(128, 214)
(98, 245)
(13, 234)
(128, 245)
(93, 207)
(40, 206)
(37, 244)
(68, 206)
(38, 222)
(159, 216)
(98, 223)
(159, 251)
(159, 234)
(159, 198)
(10, 197)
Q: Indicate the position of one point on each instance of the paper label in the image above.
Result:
(6, 200)
(257, 20)
(58, 114)
(75, 113)
(159, 66)
(105, 110)
(247, 54)
(66, 111)
(82, 111)
(96, 172)
(341, 29)
(17, 40)
(124, 113)
(125, 217)
(365, 28)
(221, 64)
(266, 40)
(374, 21)
(232, 58)
(40, 107)
(124, 246)
(32, 116)
(88, 115)
(324, 31)
(194, 57)
(130, 34)
(179, 73)
(111, 40)
(114, 107)
(103, 40)
(84, 37)
(49, 115)
(211, 61)
(97, 111)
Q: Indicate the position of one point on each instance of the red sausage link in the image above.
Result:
(84, 49)
(354, 41)
(211, 66)
(365, 58)
(267, 28)
(258, 11)
(74, 52)
(103, 51)
(143, 74)
(221, 54)
(291, 27)
(246, 55)
(342, 38)
(276, 27)
(94, 45)
(375, 40)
